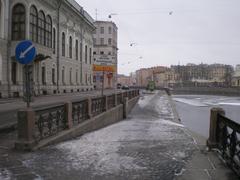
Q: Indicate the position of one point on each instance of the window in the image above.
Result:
(18, 22)
(90, 55)
(63, 75)
(94, 52)
(33, 23)
(70, 47)
(14, 73)
(102, 30)
(41, 28)
(102, 41)
(70, 76)
(94, 41)
(63, 44)
(81, 51)
(109, 30)
(54, 40)
(86, 54)
(76, 77)
(48, 32)
(76, 47)
(43, 75)
(109, 41)
(109, 53)
(102, 52)
(53, 76)
(86, 79)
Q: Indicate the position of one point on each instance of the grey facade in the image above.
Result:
(105, 53)
(62, 33)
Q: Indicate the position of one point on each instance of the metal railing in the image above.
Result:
(42, 123)
(98, 105)
(111, 101)
(228, 138)
(49, 121)
(119, 99)
(80, 111)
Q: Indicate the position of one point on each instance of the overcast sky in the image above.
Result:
(198, 31)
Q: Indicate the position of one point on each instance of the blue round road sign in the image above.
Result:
(25, 52)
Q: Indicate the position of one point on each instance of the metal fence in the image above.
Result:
(49, 121)
(228, 138)
(42, 123)
(80, 111)
(98, 105)
(111, 101)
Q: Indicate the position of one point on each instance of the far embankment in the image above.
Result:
(207, 91)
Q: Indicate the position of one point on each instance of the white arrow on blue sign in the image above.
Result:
(25, 52)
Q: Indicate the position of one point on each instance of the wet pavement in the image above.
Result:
(149, 145)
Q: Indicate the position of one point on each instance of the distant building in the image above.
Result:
(67, 48)
(236, 77)
(105, 54)
(126, 80)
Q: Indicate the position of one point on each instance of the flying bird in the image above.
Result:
(170, 13)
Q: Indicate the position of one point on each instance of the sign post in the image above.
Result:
(25, 53)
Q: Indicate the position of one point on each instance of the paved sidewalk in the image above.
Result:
(9, 107)
(149, 145)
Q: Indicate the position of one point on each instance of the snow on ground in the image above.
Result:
(5, 174)
(142, 145)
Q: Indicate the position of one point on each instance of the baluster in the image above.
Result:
(233, 144)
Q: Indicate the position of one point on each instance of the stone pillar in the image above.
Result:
(90, 108)
(212, 140)
(125, 107)
(26, 126)
(68, 109)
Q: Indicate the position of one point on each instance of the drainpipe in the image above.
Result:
(8, 50)
(58, 43)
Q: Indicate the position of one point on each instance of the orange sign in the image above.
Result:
(104, 68)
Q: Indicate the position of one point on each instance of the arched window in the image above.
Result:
(41, 28)
(76, 47)
(76, 76)
(90, 55)
(63, 75)
(48, 31)
(86, 54)
(63, 44)
(18, 22)
(33, 23)
(70, 76)
(70, 46)
(54, 40)
(53, 76)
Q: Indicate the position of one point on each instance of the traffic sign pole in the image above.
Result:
(25, 53)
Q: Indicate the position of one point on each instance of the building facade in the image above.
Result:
(105, 54)
(236, 77)
(62, 33)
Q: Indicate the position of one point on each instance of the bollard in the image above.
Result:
(212, 140)
(68, 109)
(26, 126)
(125, 107)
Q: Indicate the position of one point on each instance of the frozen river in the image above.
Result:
(194, 110)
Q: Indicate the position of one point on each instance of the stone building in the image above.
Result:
(236, 77)
(61, 31)
(105, 54)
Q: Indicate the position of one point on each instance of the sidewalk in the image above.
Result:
(149, 145)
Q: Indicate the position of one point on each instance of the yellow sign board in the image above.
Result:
(104, 68)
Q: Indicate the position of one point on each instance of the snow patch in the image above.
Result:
(5, 174)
